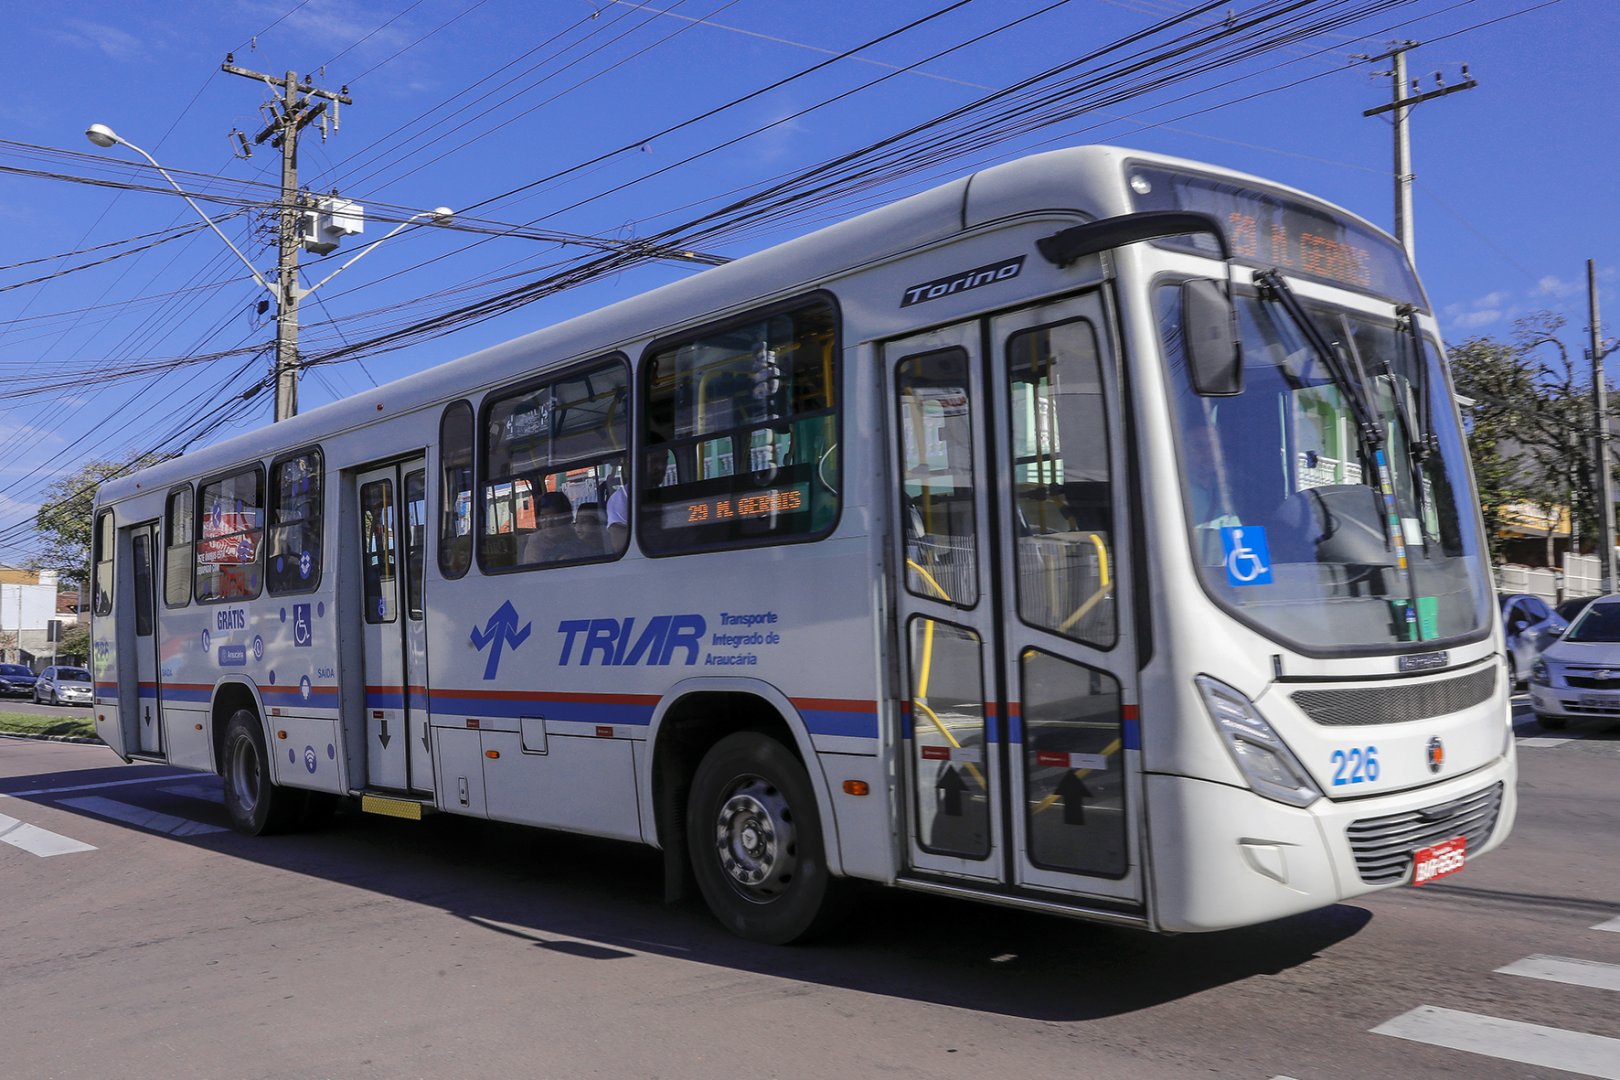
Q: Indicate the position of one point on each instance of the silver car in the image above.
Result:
(1529, 626)
(64, 686)
(1579, 674)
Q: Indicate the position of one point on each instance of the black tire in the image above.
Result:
(756, 842)
(1513, 675)
(56, 701)
(256, 806)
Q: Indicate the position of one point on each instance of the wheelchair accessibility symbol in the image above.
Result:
(1248, 557)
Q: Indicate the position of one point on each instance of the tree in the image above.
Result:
(75, 643)
(1530, 427)
(65, 519)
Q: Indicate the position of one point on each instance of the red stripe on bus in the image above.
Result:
(835, 704)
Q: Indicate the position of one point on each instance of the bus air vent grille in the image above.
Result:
(1383, 846)
(1400, 703)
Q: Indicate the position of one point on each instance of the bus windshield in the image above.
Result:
(1287, 518)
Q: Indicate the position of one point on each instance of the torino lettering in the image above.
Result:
(616, 642)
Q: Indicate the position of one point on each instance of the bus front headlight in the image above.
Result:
(1264, 759)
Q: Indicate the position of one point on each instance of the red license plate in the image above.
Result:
(1438, 860)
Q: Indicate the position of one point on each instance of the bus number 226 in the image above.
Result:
(1355, 766)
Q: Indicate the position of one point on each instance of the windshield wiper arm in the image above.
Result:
(1347, 373)
(1425, 444)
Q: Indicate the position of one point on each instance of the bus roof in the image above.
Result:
(1086, 180)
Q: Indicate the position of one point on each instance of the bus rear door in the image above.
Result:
(391, 520)
(1018, 700)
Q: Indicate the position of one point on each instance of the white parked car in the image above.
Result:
(1579, 674)
(64, 686)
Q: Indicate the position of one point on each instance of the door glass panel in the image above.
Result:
(377, 550)
(937, 485)
(142, 550)
(1073, 767)
(948, 740)
(415, 538)
(1061, 482)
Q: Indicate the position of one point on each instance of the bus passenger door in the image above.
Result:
(945, 607)
(1068, 656)
(143, 601)
(391, 509)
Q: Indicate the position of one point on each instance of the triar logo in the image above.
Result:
(501, 630)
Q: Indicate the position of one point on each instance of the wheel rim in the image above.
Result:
(244, 774)
(756, 841)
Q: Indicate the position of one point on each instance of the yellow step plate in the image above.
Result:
(400, 808)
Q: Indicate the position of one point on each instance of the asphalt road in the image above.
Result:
(165, 946)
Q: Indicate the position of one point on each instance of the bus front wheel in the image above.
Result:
(255, 805)
(756, 841)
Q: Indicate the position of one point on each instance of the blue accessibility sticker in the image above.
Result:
(1248, 556)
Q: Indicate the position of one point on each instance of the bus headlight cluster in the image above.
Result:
(1264, 759)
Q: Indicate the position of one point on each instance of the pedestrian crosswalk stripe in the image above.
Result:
(37, 841)
(141, 817)
(1510, 1040)
(1566, 970)
(1613, 925)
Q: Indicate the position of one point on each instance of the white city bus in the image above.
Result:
(1091, 535)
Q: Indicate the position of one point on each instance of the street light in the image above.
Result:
(286, 290)
(105, 137)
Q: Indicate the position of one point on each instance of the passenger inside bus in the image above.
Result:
(553, 539)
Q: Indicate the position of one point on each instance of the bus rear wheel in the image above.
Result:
(256, 805)
(756, 841)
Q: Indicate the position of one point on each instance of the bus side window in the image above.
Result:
(230, 544)
(295, 523)
(179, 532)
(551, 450)
(102, 587)
(455, 489)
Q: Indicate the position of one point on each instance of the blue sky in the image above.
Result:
(459, 101)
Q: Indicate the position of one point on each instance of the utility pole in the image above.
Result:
(1600, 417)
(297, 104)
(1401, 105)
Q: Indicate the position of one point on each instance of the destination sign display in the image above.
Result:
(1269, 229)
(767, 502)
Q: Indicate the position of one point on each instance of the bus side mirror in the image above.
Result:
(1209, 329)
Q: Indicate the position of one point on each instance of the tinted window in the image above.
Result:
(72, 674)
(295, 523)
(456, 490)
(379, 550)
(740, 434)
(179, 530)
(935, 426)
(102, 585)
(232, 534)
(551, 450)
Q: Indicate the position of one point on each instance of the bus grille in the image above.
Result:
(1397, 704)
(1383, 846)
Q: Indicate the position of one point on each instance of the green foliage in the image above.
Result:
(75, 642)
(64, 521)
(81, 727)
(1530, 428)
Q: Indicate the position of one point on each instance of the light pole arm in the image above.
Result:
(439, 216)
(104, 136)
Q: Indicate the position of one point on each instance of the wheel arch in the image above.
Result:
(230, 695)
(693, 716)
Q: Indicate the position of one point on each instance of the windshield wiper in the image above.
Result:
(1425, 443)
(1348, 374)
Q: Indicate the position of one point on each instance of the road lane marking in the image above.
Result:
(1509, 1040)
(1543, 741)
(167, 778)
(1563, 969)
(141, 817)
(37, 841)
(1613, 925)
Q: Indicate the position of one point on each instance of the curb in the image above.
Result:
(92, 740)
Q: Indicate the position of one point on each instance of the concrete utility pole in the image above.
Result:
(1600, 423)
(295, 107)
(1400, 106)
